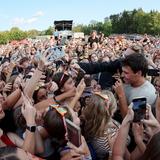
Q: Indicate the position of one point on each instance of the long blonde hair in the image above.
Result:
(97, 114)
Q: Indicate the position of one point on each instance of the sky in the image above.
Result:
(40, 14)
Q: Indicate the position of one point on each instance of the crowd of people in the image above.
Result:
(91, 82)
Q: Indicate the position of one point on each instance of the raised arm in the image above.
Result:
(79, 90)
(38, 74)
(12, 99)
(41, 106)
(119, 146)
(158, 108)
(28, 144)
(118, 88)
(32, 83)
(93, 68)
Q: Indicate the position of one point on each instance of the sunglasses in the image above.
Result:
(59, 109)
(103, 96)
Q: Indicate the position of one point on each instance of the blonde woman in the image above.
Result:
(98, 127)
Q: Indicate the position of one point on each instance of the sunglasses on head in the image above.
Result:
(103, 96)
(62, 112)
(59, 109)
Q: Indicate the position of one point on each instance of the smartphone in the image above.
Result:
(74, 133)
(56, 53)
(153, 72)
(80, 75)
(139, 108)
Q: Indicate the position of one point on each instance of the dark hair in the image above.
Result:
(49, 74)
(24, 59)
(7, 124)
(152, 151)
(35, 93)
(8, 153)
(59, 63)
(5, 60)
(54, 125)
(137, 62)
(60, 79)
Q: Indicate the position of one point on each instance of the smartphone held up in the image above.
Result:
(74, 133)
(139, 108)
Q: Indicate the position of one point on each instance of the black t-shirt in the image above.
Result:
(91, 40)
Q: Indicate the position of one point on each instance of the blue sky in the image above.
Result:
(40, 14)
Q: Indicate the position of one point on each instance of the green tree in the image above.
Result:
(107, 28)
(49, 31)
(78, 28)
(16, 34)
(115, 23)
(3, 37)
(33, 33)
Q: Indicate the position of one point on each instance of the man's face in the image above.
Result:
(128, 75)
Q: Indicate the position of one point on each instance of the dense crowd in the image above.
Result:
(89, 84)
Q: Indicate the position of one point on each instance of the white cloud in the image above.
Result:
(39, 14)
(21, 21)
(18, 21)
(31, 20)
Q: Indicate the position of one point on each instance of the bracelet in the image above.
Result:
(56, 100)
(88, 157)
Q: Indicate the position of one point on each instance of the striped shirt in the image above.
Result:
(101, 145)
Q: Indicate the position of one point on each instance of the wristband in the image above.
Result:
(88, 157)
(56, 100)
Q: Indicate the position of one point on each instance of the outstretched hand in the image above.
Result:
(8, 87)
(28, 111)
(83, 149)
(43, 60)
(80, 88)
(151, 123)
(130, 115)
(138, 130)
(118, 87)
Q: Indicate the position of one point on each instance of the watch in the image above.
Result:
(31, 128)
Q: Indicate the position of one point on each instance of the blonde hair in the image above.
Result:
(97, 114)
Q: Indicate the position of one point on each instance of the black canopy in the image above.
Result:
(63, 25)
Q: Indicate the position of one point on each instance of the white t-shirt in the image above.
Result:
(145, 90)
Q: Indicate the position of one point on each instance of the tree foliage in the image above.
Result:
(3, 37)
(16, 34)
(33, 33)
(136, 21)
